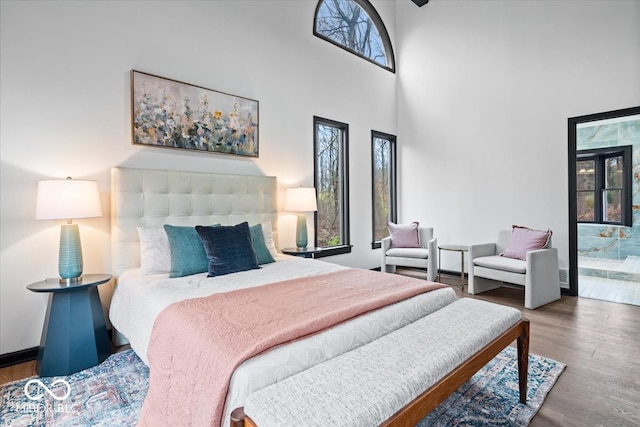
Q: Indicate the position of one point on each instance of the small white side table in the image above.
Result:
(454, 248)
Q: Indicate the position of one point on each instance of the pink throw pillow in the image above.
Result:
(524, 239)
(404, 235)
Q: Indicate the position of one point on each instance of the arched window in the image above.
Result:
(355, 25)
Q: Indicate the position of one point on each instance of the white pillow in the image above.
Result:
(268, 238)
(155, 256)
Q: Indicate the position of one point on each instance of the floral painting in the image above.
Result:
(168, 113)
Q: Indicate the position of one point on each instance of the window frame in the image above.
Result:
(599, 156)
(345, 246)
(377, 22)
(393, 183)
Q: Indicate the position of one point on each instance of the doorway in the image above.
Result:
(604, 206)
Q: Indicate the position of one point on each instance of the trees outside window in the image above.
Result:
(383, 179)
(586, 184)
(355, 25)
(603, 182)
(332, 185)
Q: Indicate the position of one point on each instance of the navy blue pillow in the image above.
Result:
(229, 248)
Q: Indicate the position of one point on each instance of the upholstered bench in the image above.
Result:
(398, 378)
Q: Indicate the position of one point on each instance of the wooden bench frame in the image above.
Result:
(426, 402)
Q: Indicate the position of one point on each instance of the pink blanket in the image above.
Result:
(196, 344)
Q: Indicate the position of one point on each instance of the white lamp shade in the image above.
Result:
(301, 200)
(68, 199)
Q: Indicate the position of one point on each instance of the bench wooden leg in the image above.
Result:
(523, 360)
(239, 419)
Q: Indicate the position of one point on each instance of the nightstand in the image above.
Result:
(75, 335)
(307, 252)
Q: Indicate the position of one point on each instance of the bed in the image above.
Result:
(144, 198)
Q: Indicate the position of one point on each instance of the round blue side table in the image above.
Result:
(75, 335)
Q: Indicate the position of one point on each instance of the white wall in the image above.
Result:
(65, 111)
(485, 89)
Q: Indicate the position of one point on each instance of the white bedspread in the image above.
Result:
(138, 299)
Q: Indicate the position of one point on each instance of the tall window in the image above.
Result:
(383, 178)
(603, 178)
(355, 25)
(330, 142)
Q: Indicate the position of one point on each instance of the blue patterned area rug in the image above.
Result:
(112, 393)
(491, 396)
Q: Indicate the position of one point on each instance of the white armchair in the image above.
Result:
(424, 257)
(538, 273)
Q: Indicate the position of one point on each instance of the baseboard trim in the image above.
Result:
(446, 272)
(563, 291)
(453, 273)
(567, 292)
(26, 355)
(20, 356)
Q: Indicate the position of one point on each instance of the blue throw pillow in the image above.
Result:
(187, 252)
(229, 248)
(259, 245)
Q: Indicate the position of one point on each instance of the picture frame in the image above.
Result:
(172, 114)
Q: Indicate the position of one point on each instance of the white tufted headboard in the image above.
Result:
(156, 197)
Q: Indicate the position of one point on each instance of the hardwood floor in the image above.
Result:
(598, 340)
(17, 372)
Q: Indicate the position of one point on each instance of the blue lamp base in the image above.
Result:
(301, 231)
(70, 258)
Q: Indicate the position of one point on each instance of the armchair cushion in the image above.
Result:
(404, 235)
(502, 263)
(524, 239)
(408, 253)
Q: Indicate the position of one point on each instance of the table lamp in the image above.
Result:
(301, 200)
(68, 199)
